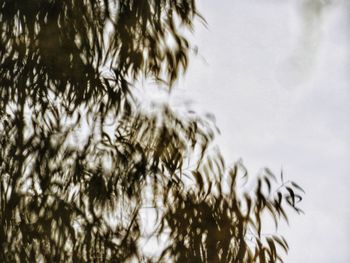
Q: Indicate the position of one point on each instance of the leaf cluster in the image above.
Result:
(80, 160)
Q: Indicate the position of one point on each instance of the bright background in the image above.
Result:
(275, 74)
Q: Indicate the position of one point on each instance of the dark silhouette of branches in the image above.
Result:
(80, 159)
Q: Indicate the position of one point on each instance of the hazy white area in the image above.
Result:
(275, 74)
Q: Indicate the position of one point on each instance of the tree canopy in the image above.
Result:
(81, 160)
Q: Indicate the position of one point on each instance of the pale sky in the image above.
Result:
(275, 74)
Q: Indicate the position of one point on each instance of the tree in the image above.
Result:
(80, 159)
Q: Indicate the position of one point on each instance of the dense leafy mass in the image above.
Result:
(81, 161)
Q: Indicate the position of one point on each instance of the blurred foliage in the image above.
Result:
(80, 160)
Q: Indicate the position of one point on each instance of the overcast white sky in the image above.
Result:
(275, 74)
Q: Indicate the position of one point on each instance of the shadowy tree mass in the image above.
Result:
(81, 162)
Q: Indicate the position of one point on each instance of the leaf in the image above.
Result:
(297, 186)
(292, 195)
